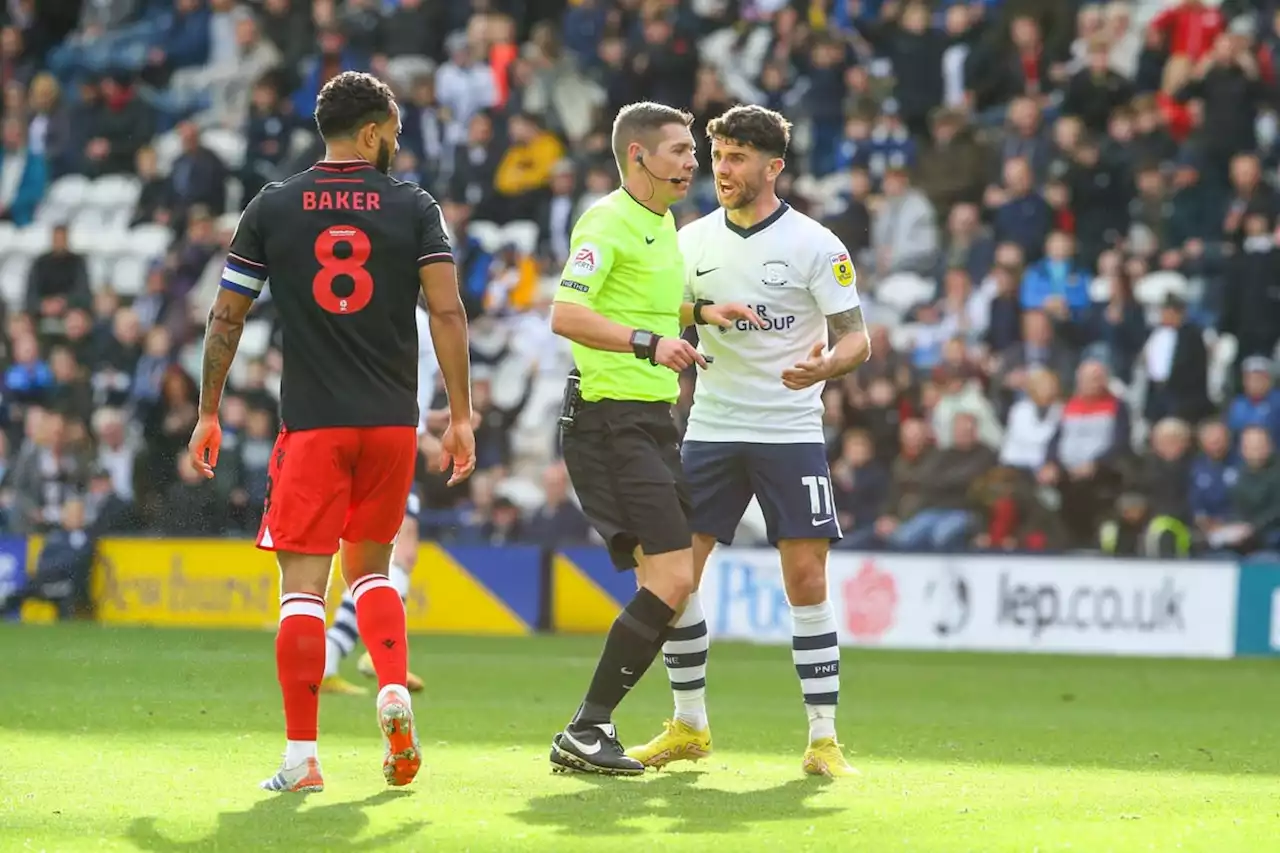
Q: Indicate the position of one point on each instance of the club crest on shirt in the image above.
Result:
(585, 260)
(775, 274)
(842, 268)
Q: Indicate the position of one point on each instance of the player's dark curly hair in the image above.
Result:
(765, 130)
(350, 101)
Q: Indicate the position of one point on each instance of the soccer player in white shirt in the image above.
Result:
(340, 640)
(756, 423)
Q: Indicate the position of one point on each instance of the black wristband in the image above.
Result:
(698, 305)
(645, 345)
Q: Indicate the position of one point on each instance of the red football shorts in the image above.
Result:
(336, 483)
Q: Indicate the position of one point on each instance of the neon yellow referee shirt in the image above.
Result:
(625, 264)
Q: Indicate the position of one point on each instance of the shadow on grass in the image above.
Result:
(275, 821)
(607, 806)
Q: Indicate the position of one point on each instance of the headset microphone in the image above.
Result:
(676, 181)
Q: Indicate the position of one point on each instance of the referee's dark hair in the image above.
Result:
(350, 101)
(639, 122)
(754, 126)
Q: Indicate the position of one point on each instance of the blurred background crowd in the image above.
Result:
(1064, 213)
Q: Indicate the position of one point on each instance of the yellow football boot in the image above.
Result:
(365, 668)
(338, 684)
(824, 757)
(679, 741)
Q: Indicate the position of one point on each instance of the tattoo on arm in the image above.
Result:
(221, 339)
(845, 323)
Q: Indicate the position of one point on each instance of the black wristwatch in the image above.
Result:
(698, 305)
(645, 345)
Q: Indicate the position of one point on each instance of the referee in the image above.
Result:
(621, 303)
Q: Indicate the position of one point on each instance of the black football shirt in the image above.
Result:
(341, 245)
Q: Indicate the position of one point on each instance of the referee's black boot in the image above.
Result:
(592, 748)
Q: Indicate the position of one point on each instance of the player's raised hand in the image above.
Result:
(724, 315)
(677, 354)
(458, 448)
(811, 371)
(206, 440)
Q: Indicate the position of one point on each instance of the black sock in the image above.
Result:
(633, 643)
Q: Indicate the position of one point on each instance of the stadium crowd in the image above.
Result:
(1065, 217)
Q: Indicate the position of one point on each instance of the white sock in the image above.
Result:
(332, 657)
(400, 580)
(685, 654)
(401, 692)
(298, 751)
(341, 638)
(815, 649)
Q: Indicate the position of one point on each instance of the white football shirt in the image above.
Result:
(427, 368)
(795, 273)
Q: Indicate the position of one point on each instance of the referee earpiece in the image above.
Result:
(639, 158)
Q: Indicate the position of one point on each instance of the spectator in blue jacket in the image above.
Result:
(333, 59)
(1213, 475)
(1022, 215)
(63, 567)
(23, 175)
(184, 45)
(1056, 278)
(1259, 405)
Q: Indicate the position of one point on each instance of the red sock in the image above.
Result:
(300, 662)
(380, 616)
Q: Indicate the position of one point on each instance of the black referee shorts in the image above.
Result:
(624, 460)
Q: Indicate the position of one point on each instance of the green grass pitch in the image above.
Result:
(140, 740)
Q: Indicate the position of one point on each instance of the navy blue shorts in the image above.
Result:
(791, 481)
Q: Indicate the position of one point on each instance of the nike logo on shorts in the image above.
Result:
(818, 522)
(648, 241)
(700, 273)
(582, 747)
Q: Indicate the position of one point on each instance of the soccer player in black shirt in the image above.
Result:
(346, 248)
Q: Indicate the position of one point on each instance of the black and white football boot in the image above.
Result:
(592, 748)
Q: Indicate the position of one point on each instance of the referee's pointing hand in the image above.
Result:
(677, 354)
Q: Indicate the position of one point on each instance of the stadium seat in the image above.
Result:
(1222, 355)
(99, 266)
(149, 241)
(114, 192)
(235, 195)
(524, 493)
(227, 144)
(68, 192)
(168, 146)
(904, 291)
(255, 339)
(487, 234)
(1153, 289)
(13, 280)
(403, 70)
(89, 236)
(523, 235)
(32, 240)
(129, 274)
